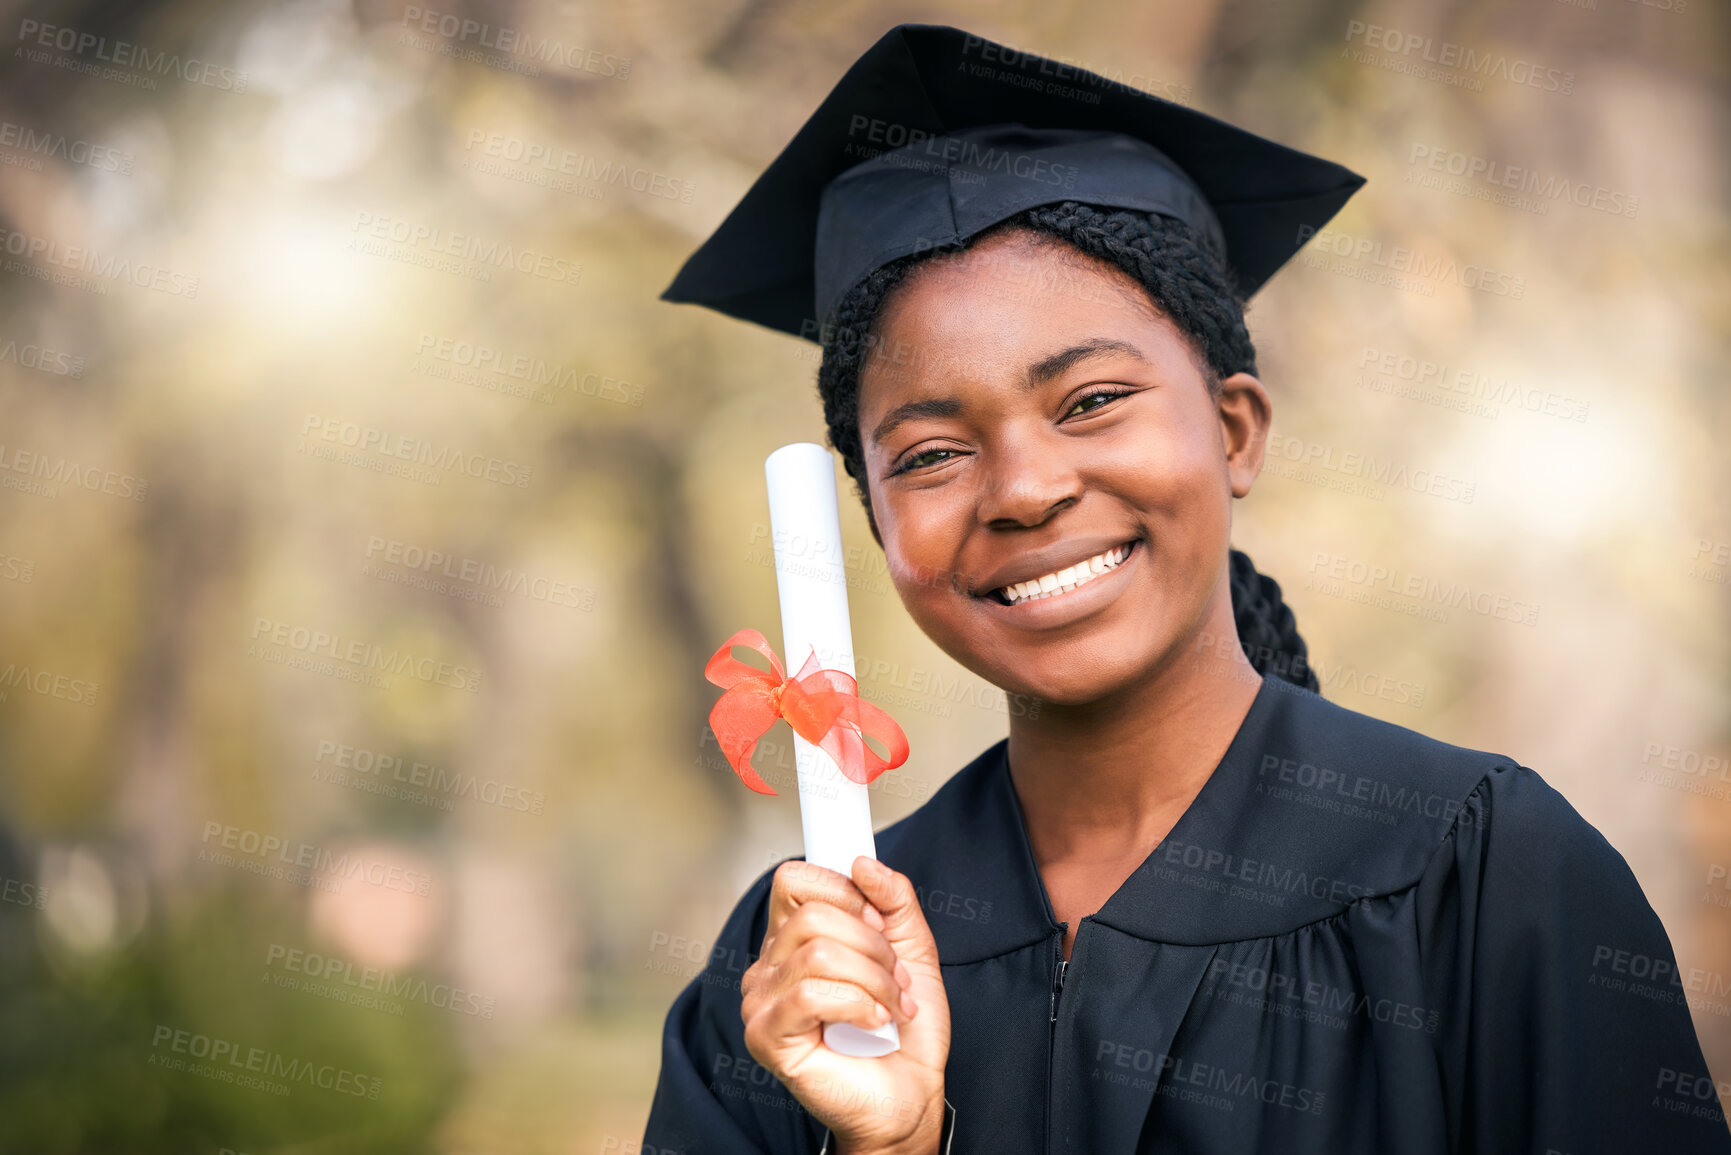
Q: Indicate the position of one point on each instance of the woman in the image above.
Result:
(1188, 905)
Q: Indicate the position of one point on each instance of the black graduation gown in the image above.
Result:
(1356, 939)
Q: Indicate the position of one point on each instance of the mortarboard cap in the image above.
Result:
(935, 135)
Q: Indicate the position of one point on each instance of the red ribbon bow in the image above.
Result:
(823, 707)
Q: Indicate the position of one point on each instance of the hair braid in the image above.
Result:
(1267, 629)
(1187, 279)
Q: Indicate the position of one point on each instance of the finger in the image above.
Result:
(904, 922)
(798, 882)
(830, 960)
(810, 1003)
(819, 920)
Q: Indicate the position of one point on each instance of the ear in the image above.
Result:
(1245, 416)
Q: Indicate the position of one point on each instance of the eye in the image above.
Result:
(917, 459)
(1100, 395)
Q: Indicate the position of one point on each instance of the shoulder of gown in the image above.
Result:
(1567, 1025)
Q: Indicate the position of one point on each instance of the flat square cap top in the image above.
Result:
(942, 134)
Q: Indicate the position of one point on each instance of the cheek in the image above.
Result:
(919, 548)
(1177, 476)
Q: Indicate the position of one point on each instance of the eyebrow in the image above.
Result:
(1039, 373)
(1059, 363)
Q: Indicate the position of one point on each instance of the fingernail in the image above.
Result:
(881, 1013)
(873, 867)
(909, 1007)
(902, 975)
(872, 918)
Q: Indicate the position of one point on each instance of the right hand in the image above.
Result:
(851, 951)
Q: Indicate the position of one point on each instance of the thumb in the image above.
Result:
(893, 895)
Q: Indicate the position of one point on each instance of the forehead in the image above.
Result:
(1020, 266)
(1002, 305)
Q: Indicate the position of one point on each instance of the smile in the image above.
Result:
(1063, 581)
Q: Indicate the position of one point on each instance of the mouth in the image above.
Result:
(1062, 582)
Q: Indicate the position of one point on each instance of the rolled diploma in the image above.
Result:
(834, 811)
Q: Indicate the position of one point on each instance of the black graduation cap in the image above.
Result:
(935, 135)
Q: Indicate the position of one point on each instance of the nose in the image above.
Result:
(1026, 483)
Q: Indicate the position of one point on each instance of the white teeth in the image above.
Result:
(1067, 578)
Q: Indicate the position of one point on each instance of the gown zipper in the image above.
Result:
(1052, 1025)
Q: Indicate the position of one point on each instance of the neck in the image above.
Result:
(1108, 779)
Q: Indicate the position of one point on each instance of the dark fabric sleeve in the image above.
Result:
(946, 1136)
(712, 1096)
(1564, 1026)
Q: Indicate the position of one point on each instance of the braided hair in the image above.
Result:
(1186, 277)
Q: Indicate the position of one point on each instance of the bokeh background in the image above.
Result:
(365, 521)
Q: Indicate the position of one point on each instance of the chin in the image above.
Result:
(1074, 680)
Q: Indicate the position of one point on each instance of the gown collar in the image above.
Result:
(968, 854)
(1312, 808)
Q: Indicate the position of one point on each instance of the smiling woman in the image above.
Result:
(1225, 914)
(1016, 406)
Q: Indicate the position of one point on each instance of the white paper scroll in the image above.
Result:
(835, 813)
